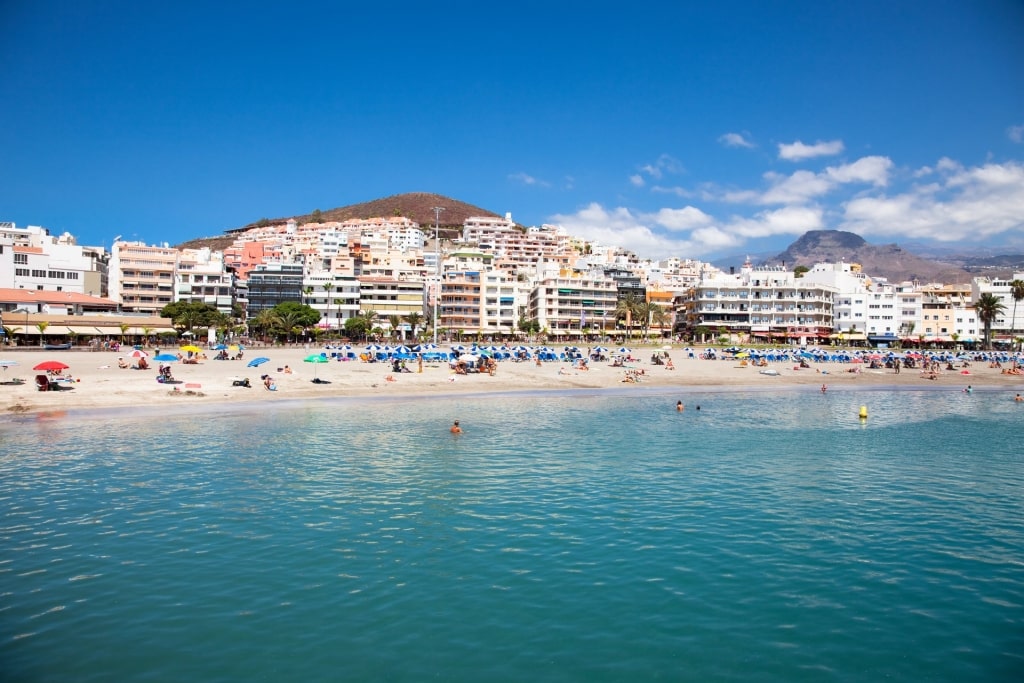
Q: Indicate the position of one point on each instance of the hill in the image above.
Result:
(417, 206)
(889, 261)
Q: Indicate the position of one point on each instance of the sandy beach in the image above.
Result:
(98, 382)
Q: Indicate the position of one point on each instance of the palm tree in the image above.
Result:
(289, 322)
(660, 316)
(394, 321)
(1017, 292)
(643, 312)
(988, 307)
(124, 330)
(42, 330)
(328, 286)
(265, 321)
(370, 317)
(414, 320)
(625, 309)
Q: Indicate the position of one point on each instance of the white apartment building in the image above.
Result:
(30, 258)
(574, 304)
(767, 304)
(335, 297)
(1010, 324)
(201, 277)
(485, 303)
(142, 277)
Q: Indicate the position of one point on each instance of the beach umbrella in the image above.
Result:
(315, 358)
(256, 362)
(623, 349)
(191, 348)
(8, 363)
(51, 366)
(166, 358)
(220, 347)
(137, 353)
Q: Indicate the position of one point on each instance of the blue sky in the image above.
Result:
(693, 129)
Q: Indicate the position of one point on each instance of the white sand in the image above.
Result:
(100, 383)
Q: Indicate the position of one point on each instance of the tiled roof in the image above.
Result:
(45, 296)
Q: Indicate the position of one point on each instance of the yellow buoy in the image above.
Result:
(863, 412)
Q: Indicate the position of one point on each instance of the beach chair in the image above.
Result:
(43, 383)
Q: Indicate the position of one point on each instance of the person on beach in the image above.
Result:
(268, 382)
(456, 429)
(824, 388)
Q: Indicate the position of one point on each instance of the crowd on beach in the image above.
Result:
(434, 370)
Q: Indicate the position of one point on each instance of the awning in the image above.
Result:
(78, 329)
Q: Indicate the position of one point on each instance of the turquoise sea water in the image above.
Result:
(593, 536)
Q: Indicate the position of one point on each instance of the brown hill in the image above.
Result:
(888, 261)
(417, 206)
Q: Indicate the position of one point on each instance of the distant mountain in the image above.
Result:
(889, 261)
(417, 206)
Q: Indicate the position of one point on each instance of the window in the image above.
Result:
(21, 259)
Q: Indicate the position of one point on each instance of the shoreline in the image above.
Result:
(100, 387)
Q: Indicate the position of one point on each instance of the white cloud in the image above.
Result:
(790, 220)
(946, 202)
(873, 170)
(666, 164)
(637, 180)
(736, 140)
(677, 191)
(966, 204)
(686, 218)
(801, 187)
(621, 227)
(1015, 133)
(797, 188)
(526, 179)
(798, 151)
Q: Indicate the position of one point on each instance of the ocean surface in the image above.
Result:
(590, 536)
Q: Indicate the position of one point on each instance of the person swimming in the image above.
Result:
(679, 406)
(456, 429)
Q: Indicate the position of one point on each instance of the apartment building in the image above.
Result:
(392, 297)
(765, 304)
(335, 297)
(574, 303)
(481, 302)
(141, 277)
(202, 277)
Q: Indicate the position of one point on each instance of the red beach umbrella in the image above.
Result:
(48, 365)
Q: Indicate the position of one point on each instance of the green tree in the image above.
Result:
(316, 217)
(265, 322)
(394, 321)
(1017, 292)
(189, 315)
(293, 318)
(799, 271)
(42, 330)
(356, 327)
(124, 330)
(626, 310)
(661, 317)
(988, 307)
(414, 320)
(328, 286)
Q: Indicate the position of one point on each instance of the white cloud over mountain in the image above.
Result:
(870, 196)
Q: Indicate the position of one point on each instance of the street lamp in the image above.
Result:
(437, 262)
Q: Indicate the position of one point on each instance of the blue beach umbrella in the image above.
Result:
(256, 362)
(166, 358)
